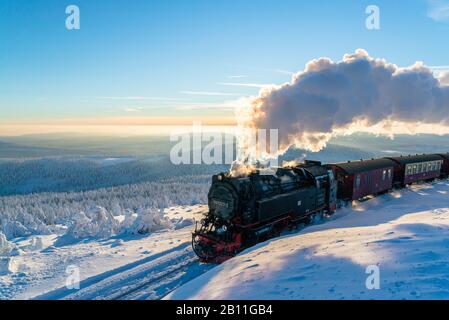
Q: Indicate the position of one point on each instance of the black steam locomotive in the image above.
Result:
(246, 210)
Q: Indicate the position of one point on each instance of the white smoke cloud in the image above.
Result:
(444, 78)
(357, 94)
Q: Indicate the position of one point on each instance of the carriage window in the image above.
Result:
(420, 168)
(429, 167)
(434, 166)
(415, 169)
(439, 165)
(409, 169)
(357, 182)
(384, 174)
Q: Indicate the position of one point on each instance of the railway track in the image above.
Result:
(148, 279)
(159, 284)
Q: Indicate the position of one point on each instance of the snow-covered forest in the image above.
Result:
(22, 215)
(79, 174)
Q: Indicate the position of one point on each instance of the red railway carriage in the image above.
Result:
(359, 179)
(445, 167)
(415, 168)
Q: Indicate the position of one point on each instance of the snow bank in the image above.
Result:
(101, 224)
(23, 225)
(97, 223)
(36, 244)
(5, 266)
(5, 246)
(145, 221)
(404, 235)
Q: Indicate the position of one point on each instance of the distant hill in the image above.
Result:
(12, 150)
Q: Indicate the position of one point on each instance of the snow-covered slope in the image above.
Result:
(123, 266)
(405, 234)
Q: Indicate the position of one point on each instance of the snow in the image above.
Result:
(108, 266)
(146, 221)
(5, 245)
(92, 213)
(145, 253)
(405, 234)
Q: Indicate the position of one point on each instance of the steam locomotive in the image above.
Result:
(244, 211)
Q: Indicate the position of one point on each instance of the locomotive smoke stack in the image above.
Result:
(357, 94)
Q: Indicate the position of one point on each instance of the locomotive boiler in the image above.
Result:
(246, 210)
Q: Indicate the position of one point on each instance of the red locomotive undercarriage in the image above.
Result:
(211, 247)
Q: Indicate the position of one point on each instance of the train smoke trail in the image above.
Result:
(357, 94)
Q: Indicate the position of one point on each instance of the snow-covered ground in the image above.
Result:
(147, 255)
(405, 234)
(125, 266)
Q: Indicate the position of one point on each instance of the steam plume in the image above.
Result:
(357, 94)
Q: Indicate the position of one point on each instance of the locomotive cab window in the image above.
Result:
(384, 175)
(389, 174)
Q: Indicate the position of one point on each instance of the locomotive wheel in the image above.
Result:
(318, 217)
(308, 220)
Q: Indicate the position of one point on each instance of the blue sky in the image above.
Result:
(173, 58)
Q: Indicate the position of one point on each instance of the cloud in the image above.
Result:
(139, 98)
(441, 73)
(227, 105)
(438, 10)
(237, 76)
(358, 94)
(132, 109)
(444, 78)
(208, 93)
(281, 71)
(250, 85)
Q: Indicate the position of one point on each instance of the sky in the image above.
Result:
(171, 62)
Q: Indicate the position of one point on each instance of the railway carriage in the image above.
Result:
(445, 166)
(414, 168)
(358, 179)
